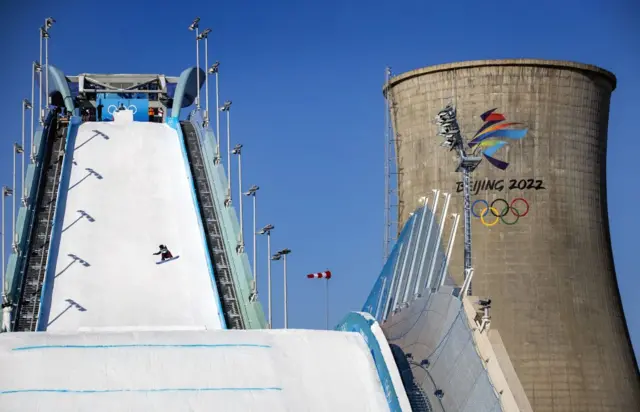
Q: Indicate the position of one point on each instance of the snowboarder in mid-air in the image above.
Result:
(164, 253)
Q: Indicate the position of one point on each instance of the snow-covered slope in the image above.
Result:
(130, 192)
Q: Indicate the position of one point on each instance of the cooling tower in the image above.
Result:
(541, 244)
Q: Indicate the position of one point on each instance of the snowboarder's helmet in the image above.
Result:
(161, 246)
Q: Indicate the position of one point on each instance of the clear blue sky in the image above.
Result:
(305, 79)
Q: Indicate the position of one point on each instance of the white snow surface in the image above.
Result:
(223, 370)
(130, 192)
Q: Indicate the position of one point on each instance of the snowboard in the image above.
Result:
(168, 260)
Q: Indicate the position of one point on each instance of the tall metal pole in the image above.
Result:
(327, 301)
(214, 70)
(237, 150)
(229, 151)
(206, 80)
(241, 205)
(5, 191)
(197, 69)
(255, 249)
(387, 211)
(227, 108)
(7, 307)
(205, 35)
(14, 235)
(466, 183)
(25, 105)
(450, 130)
(40, 120)
(254, 292)
(34, 69)
(269, 277)
(267, 231)
(217, 118)
(283, 254)
(195, 26)
(48, 22)
(286, 312)
(46, 73)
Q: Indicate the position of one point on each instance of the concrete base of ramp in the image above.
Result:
(277, 370)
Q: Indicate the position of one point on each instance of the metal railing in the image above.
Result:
(239, 267)
(38, 248)
(215, 246)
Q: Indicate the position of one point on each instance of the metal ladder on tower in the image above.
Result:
(36, 260)
(215, 243)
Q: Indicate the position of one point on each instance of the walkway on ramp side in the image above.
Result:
(275, 370)
(129, 192)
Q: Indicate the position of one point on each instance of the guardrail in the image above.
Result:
(24, 221)
(251, 311)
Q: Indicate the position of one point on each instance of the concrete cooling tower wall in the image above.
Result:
(541, 244)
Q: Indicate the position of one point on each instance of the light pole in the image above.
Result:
(237, 150)
(194, 26)
(17, 149)
(450, 131)
(26, 105)
(36, 68)
(326, 298)
(227, 108)
(43, 33)
(283, 254)
(267, 231)
(205, 35)
(6, 192)
(47, 24)
(252, 192)
(214, 69)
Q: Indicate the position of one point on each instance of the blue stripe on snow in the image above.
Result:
(90, 391)
(143, 345)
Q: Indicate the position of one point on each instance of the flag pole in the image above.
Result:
(327, 301)
(326, 275)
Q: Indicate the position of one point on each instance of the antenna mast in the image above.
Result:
(387, 176)
(390, 169)
(389, 162)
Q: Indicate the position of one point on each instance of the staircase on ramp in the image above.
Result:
(34, 271)
(213, 233)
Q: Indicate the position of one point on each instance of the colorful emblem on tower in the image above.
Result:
(488, 140)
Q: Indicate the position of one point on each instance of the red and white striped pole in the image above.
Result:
(323, 275)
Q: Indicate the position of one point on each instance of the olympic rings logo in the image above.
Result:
(131, 107)
(499, 211)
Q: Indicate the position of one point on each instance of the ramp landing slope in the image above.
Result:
(129, 192)
(277, 370)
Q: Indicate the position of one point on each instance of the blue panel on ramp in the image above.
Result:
(111, 102)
